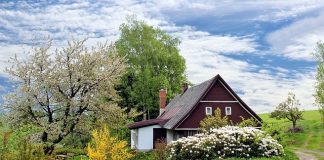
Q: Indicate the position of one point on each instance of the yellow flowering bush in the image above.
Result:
(106, 147)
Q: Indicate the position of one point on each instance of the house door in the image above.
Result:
(158, 134)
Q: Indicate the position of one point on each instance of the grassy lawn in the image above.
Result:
(289, 156)
(312, 138)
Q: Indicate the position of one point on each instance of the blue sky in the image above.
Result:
(261, 48)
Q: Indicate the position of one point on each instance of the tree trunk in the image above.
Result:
(148, 113)
(294, 125)
(144, 116)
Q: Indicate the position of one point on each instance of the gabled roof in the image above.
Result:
(183, 104)
(240, 100)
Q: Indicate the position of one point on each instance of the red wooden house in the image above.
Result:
(181, 117)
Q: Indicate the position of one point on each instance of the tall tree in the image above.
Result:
(289, 109)
(319, 88)
(61, 91)
(154, 63)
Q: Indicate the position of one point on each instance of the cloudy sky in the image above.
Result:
(261, 48)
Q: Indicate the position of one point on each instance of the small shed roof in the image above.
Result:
(149, 122)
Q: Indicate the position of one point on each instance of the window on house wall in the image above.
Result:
(183, 133)
(209, 111)
(228, 111)
(179, 134)
(192, 132)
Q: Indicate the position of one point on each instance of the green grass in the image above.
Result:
(143, 156)
(289, 156)
(312, 137)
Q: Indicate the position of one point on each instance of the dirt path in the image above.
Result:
(303, 153)
(307, 140)
(305, 156)
(321, 154)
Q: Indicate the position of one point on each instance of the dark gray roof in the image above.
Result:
(181, 105)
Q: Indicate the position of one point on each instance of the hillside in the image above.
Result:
(311, 140)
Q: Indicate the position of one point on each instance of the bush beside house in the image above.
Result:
(229, 141)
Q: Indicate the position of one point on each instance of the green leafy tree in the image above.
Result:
(60, 91)
(154, 64)
(289, 109)
(215, 121)
(319, 88)
(118, 119)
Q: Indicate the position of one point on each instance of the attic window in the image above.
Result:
(228, 111)
(209, 111)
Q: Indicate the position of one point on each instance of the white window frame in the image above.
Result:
(209, 109)
(226, 111)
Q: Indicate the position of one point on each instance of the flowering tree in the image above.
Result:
(289, 110)
(58, 91)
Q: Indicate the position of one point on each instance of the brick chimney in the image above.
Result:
(162, 100)
(184, 87)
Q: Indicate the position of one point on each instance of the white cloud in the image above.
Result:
(261, 90)
(215, 43)
(298, 40)
(281, 10)
(9, 50)
(206, 54)
(262, 10)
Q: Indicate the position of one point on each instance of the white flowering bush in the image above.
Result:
(229, 141)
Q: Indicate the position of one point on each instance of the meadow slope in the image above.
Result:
(310, 141)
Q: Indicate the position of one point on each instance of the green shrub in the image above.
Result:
(160, 151)
(250, 122)
(80, 157)
(275, 131)
(143, 156)
(215, 121)
(71, 151)
(25, 151)
(17, 144)
(76, 140)
(30, 151)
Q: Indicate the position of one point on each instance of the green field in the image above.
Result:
(312, 137)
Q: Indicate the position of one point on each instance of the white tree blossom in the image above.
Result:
(57, 91)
